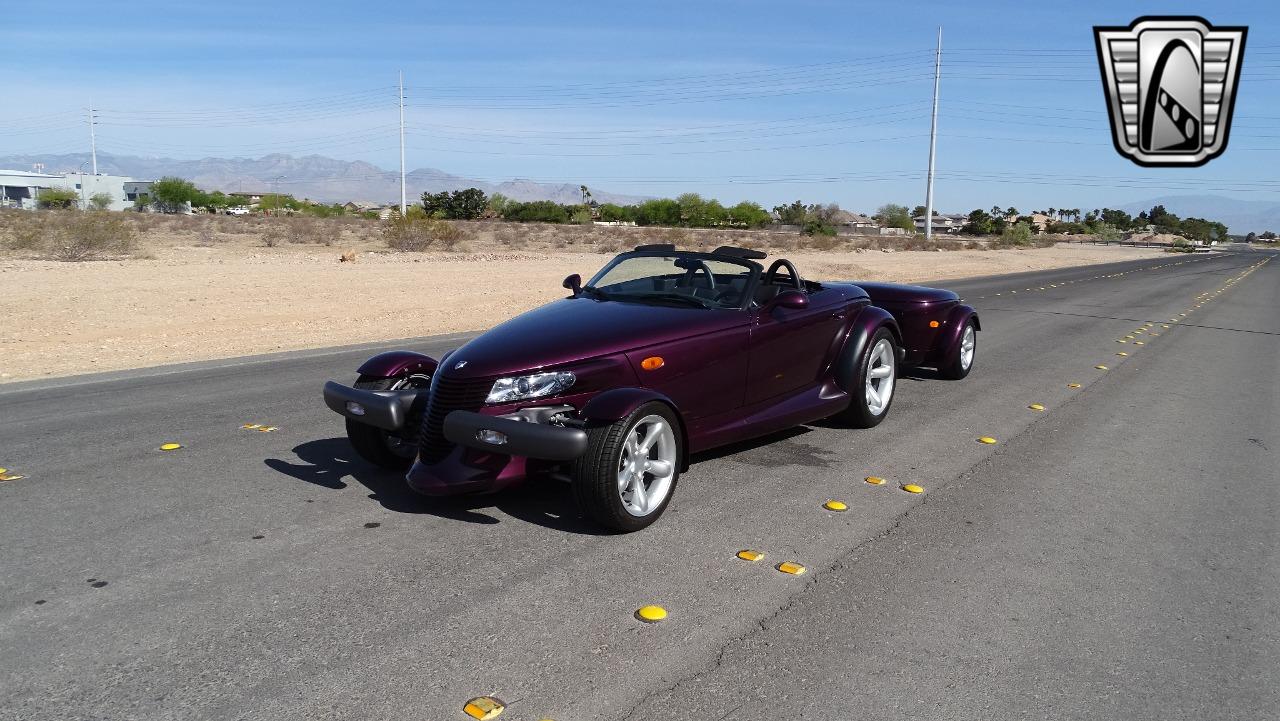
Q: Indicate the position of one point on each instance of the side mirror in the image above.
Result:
(573, 283)
(791, 300)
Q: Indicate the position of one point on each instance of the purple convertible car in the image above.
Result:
(664, 353)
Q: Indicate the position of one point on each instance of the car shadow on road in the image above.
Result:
(332, 462)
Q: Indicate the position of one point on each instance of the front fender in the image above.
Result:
(947, 344)
(618, 403)
(398, 362)
(871, 319)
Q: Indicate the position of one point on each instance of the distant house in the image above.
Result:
(944, 223)
(848, 223)
(248, 198)
(1039, 220)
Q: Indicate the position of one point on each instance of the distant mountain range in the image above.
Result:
(1240, 216)
(312, 176)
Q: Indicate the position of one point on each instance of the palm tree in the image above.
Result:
(1052, 213)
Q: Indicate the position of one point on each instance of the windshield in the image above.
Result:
(689, 280)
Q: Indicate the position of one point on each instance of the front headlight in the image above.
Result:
(537, 385)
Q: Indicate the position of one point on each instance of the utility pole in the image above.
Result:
(933, 141)
(404, 198)
(93, 139)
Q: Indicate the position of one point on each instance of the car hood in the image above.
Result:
(574, 329)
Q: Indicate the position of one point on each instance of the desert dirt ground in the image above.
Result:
(186, 303)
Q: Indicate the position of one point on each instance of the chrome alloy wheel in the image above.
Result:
(647, 465)
(880, 377)
(968, 342)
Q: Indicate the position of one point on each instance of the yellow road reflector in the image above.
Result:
(1073, 385)
(792, 568)
(1153, 335)
(988, 440)
(1165, 327)
(251, 426)
(913, 488)
(747, 554)
(1036, 407)
(1138, 342)
(483, 707)
(170, 446)
(875, 480)
(835, 506)
(1129, 337)
(11, 477)
(3, 471)
(1100, 367)
(1121, 340)
(266, 429)
(651, 614)
(1122, 353)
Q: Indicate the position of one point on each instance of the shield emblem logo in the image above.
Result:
(1170, 84)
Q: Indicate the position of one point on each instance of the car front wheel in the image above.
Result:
(627, 476)
(375, 445)
(877, 379)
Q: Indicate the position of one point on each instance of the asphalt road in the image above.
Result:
(1114, 556)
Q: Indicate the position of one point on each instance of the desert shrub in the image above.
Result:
(25, 230)
(274, 235)
(581, 216)
(205, 236)
(85, 236)
(419, 234)
(824, 242)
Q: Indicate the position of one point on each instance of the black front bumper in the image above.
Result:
(522, 438)
(388, 410)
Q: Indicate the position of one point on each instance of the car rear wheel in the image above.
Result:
(877, 379)
(960, 366)
(627, 476)
(379, 447)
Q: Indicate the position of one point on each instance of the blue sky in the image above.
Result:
(767, 101)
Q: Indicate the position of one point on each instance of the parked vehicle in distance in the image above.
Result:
(662, 354)
(238, 210)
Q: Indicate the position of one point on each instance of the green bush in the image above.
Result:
(57, 198)
(1018, 234)
(538, 211)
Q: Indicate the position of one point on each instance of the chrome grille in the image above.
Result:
(447, 395)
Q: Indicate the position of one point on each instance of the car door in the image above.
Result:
(789, 348)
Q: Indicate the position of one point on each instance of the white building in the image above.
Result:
(21, 188)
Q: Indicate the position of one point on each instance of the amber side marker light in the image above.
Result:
(652, 363)
(933, 324)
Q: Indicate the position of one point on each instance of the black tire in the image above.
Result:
(374, 444)
(956, 369)
(595, 473)
(859, 414)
